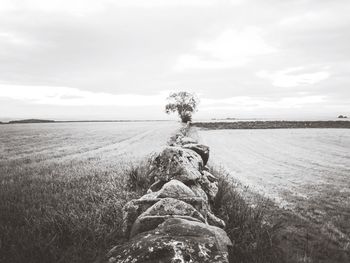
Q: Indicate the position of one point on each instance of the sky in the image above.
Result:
(120, 59)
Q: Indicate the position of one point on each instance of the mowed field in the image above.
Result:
(306, 171)
(63, 185)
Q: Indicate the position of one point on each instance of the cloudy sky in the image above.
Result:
(119, 59)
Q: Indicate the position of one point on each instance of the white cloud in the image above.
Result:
(172, 3)
(308, 17)
(93, 6)
(86, 51)
(188, 61)
(232, 48)
(291, 78)
(245, 102)
(71, 6)
(15, 39)
(330, 16)
(65, 96)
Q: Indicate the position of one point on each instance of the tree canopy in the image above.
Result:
(184, 103)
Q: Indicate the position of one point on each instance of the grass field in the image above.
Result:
(62, 186)
(306, 172)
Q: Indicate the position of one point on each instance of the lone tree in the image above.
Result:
(184, 103)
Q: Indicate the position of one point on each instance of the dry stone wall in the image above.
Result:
(173, 222)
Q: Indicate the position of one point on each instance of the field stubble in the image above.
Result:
(305, 173)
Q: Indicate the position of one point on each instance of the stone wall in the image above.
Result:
(173, 222)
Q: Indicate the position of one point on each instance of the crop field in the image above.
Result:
(62, 186)
(303, 171)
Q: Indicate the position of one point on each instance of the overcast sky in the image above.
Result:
(111, 59)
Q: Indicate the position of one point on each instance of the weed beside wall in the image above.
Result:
(138, 177)
(254, 239)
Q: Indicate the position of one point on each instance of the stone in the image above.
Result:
(184, 227)
(164, 208)
(214, 220)
(201, 149)
(205, 168)
(167, 249)
(210, 188)
(173, 222)
(212, 178)
(175, 139)
(149, 196)
(177, 163)
(199, 192)
(187, 140)
(175, 189)
(175, 240)
(147, 223)
(133, 209)
(171, 206)
(157, 185)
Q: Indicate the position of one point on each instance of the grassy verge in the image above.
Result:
(263, 232)
(64, 212)
(255, 240)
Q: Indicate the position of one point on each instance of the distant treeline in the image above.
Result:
(30, 121)
(272, 124)
(51, 121)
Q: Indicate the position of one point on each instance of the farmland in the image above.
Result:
(41, 144)
(63, 185)
(305, 172)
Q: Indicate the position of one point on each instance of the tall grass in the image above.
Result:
(263, 232)
(63, 212)
(254, 239)
(138, 177)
